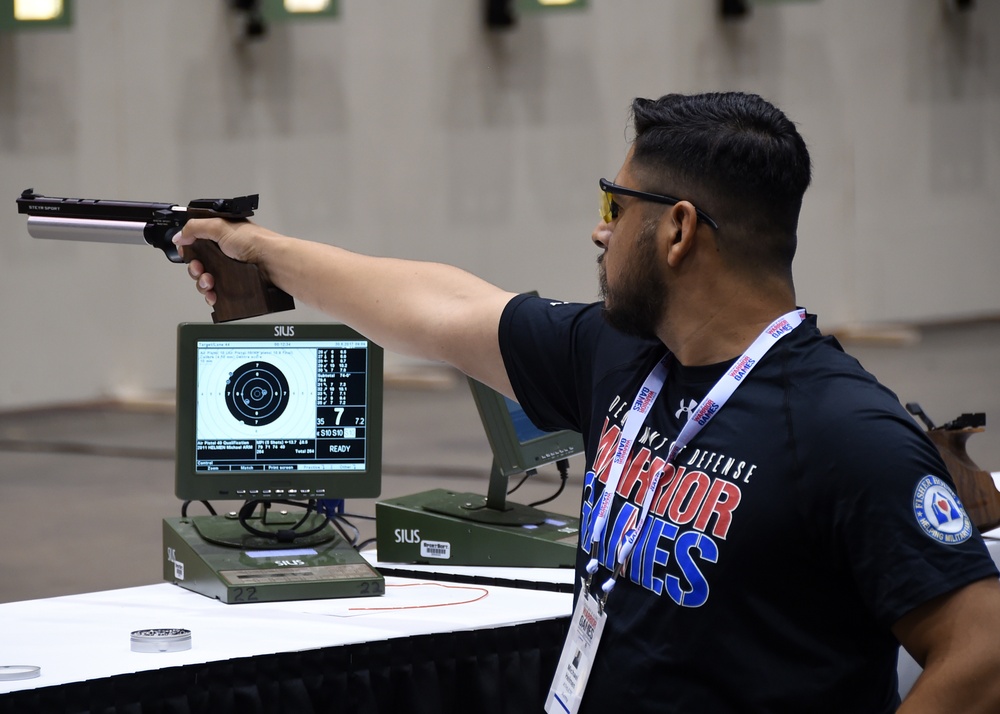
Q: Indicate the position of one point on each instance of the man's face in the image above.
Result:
(635, 294)
(631, 282)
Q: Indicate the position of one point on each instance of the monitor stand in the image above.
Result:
(216, 557)
(447, 528)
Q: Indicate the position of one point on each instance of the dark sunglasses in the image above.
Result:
(609, 208)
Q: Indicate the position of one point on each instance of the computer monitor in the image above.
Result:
(274, 412)
(518, 445)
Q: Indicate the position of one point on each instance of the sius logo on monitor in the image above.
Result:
(284, 330)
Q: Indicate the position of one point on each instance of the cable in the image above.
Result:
(527, 474)
(358, 515)
(206, 504)
(286, 535)
(563, 466)
(337, 524)
(333, 515)
(310, 505)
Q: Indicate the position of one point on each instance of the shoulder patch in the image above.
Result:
(939, 512)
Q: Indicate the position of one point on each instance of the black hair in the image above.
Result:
(736, 157)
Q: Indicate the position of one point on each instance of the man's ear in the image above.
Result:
(678, 231)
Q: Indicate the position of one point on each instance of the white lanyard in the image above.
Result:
(716, 398)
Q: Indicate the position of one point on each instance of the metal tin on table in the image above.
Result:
(161, 640)
(10, 672)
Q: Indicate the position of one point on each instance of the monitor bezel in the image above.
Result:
(190, 485)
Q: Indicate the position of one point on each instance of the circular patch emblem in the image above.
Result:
(939, 512)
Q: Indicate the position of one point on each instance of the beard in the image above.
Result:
(636, 304)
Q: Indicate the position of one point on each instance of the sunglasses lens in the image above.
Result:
(608, 213)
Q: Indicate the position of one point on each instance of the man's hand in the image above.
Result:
(240, 240)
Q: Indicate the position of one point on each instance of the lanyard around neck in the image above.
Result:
(713, 402)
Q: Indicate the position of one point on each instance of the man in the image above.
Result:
(807, 529)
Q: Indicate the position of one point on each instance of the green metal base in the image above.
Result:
(253, 569)
(446, 528)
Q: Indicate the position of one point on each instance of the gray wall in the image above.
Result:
(404, 129)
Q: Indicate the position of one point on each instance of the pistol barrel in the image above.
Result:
(87, 230)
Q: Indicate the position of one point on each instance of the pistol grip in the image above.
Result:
(240, 288)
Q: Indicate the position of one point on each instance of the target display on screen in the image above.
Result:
(251, 392)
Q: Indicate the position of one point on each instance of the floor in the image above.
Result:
(84, 487)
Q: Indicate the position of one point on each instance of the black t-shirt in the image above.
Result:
(803, 521)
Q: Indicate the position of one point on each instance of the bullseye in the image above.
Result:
(257, 393)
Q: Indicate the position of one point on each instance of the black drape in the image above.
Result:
(505, 670)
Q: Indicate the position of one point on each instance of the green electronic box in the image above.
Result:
(216, 557)
(448, 528)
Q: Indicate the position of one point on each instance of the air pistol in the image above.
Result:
(241, 289)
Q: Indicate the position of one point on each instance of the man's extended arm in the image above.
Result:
(427, 310)
(953, 638)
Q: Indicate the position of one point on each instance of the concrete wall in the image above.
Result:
(404, 128)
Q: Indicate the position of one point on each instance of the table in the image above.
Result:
(424, 646)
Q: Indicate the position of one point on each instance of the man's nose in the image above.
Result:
(601, 235)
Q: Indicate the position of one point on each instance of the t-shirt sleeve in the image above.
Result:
(896, 520)
(546, 349)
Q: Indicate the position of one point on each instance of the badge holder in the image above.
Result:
(577, 658)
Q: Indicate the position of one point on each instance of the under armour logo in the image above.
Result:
(685, 409)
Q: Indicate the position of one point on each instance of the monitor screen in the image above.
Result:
(518, 445)
(275, 412)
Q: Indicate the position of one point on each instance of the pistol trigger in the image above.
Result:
(169, 249)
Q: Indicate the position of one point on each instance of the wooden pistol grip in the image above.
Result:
(975, 486)
(240, 288)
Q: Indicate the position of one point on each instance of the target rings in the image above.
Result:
(257, 393)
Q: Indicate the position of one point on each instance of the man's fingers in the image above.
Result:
(195, 269)
(206, 282)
